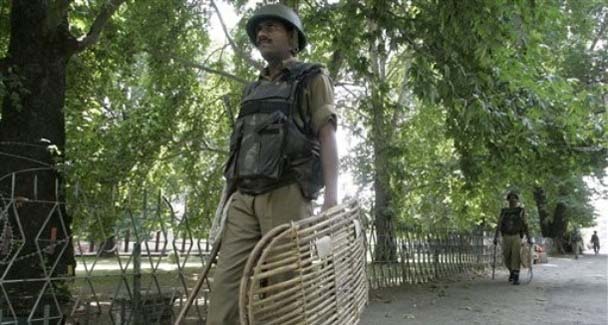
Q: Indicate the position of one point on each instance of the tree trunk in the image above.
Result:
(381, 136)
(108, 247)
(559, 225)
(31, 186)
(540, 197)
(386, 248)
(555, 227)
(384, 216)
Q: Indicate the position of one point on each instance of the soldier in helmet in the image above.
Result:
(595, 241)
(576, 241)
(282, 152)
(513, 225)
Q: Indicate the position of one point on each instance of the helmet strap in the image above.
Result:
(294, 40)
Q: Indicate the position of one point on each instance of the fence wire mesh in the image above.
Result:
(135, 260)
(130, 261)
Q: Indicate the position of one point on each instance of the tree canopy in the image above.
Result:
(448, 104)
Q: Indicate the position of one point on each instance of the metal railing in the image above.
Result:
(139, 269)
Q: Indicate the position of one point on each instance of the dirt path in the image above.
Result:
(564, 291)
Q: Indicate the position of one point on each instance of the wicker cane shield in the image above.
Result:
(526, 262)
(525, 256)
(309, 272)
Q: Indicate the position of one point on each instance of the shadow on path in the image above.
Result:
(563, 291)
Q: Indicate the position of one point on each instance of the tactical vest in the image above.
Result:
(272, 143)
(512, 222)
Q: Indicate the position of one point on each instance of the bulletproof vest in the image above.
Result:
(512, 221)
(272, 143)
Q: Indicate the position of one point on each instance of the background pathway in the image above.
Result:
(563, 291)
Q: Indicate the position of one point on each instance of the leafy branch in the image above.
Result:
(183, 147)
(600, 33)
(98, 24)
(236, 50)
(337, 58)
(209, 69)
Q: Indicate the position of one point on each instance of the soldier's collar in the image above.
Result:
(287, 66)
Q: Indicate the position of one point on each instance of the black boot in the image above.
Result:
(510, 275)
(516, 277)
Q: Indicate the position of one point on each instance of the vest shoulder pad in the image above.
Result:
(516, 210)
(303, 70)
(249, 88)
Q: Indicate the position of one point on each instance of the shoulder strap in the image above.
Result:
(502, 212)
(301, 74)
(302, 70)
(250, 87)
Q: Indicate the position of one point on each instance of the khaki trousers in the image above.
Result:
(511, 248)
(249, 218)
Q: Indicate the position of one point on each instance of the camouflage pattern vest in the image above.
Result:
(272, 143)
(512, 222)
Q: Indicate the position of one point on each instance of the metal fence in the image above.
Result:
(64, 263)
(141, 268)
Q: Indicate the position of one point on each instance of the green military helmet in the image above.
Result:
(512, 193)
(280, 12)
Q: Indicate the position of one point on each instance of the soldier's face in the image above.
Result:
(273, 40)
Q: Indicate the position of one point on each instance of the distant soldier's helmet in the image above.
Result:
(512, 193)
(281, 13)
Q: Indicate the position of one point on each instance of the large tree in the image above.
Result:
(495, 73)
(32, 142)
(531, 113)
(438, 51)
(129, 111)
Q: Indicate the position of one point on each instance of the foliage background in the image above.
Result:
(447, 104)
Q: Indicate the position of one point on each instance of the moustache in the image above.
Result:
(263, 40)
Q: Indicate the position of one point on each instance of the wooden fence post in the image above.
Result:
(156, 243)
(402, 258)
(443, 255)
(419, 265)
(427, 259)
(408, 255)
(434, 246)
(127, 238)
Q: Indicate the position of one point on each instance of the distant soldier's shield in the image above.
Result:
(526, 261)
(526, 257)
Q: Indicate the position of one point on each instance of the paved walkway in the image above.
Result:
(563, 291)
